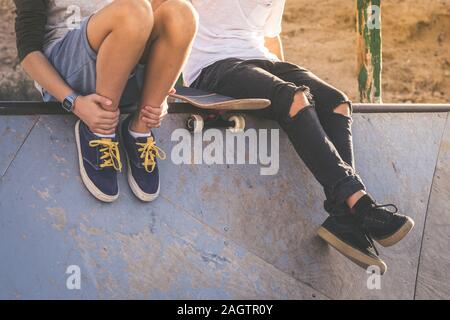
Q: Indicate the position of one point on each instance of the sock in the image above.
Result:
(139, 135)
(362, 204)
(110, 136)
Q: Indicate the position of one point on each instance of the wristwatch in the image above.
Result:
(69, 102)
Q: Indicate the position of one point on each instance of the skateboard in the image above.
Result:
(215, 110)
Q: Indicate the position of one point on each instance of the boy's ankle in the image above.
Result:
(136, 130)
(137, 126)
(361, 207)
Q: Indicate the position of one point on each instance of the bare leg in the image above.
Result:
(119, 33)
(174, 28)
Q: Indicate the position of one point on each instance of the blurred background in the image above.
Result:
(320, 35)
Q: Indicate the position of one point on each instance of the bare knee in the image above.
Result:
(134, 17)
(180, 21)
(343, 109)
(300, 102)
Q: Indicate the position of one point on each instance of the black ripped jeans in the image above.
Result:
(321, 137)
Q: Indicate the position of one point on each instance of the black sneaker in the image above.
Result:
(343, 233)
(99, 160)
(142, 154)
(335, 209)
(384, 226)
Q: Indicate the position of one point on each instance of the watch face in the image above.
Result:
(67, 105)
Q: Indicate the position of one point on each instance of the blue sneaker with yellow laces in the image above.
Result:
(99, 161)
(142, 154)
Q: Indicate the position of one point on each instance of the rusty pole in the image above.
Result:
(368, 19)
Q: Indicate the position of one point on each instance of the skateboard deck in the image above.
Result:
(212, 110)
(212, 101)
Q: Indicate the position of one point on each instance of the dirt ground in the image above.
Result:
(320, 35)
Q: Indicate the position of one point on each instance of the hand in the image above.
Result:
(92, 111)
(153, 116)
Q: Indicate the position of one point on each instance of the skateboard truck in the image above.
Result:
(214, 110)
(197, 122)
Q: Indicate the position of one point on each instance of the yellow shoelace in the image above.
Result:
(149, 151)
(110, 153)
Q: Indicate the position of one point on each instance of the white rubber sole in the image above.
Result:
(138, 192)
(348, 251)
(92, 188)
(399, 235)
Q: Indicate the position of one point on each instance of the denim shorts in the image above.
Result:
(74, 59)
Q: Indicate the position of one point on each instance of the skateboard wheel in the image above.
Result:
(239, 124)
(195, 123)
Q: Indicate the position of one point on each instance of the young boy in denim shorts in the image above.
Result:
(94, 55)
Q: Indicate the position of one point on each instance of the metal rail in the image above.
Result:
(51, 108)
(400, 107)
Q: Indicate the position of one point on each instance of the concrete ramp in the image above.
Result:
(221, 231)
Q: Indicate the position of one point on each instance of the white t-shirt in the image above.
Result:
(233, 29)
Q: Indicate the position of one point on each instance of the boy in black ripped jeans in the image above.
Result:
(238, 53)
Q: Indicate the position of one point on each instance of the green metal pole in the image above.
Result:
(369, 50)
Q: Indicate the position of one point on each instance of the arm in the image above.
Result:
(90, 109)
(39, 69)
(30, 31)
(272, 30)
(275, 46)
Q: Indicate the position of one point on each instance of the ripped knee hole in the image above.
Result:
(300, 102)
(343, 109)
